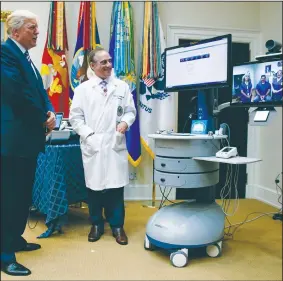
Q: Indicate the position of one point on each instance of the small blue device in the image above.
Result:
(199, 127)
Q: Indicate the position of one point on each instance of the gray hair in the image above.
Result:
(92, 54)
(17, 19)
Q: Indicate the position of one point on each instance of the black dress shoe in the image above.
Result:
(120, 235)
(95, 233)
(30, 247)
(15, 269)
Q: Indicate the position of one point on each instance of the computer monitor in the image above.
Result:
(206, 64)
(257, 84)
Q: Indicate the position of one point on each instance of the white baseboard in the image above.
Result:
(262, 193)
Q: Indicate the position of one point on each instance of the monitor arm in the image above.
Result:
(220, 108)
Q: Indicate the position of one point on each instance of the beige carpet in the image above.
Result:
(255, 253)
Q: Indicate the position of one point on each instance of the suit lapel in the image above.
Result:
(112, 85)
(27, 66)
(29, 72)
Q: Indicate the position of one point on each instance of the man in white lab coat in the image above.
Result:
(102, 110)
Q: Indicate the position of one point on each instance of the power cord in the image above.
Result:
(164, 197)
(237, 225)
(212, 139)
(226, 191)
(278, 216)
(231, 182)
(185, 125)
(223, 126)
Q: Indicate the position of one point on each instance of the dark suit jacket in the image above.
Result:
(24, 104)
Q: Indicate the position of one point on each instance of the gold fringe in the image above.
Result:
(93, 21)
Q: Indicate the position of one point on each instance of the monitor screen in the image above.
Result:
(257, 84)
(206, 64)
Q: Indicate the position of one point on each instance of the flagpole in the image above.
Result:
(152, 203)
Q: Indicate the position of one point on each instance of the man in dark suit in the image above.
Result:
(26, 118)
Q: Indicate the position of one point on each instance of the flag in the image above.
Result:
(54, 68)
(87, 40)
(157, 109)
(122, 52)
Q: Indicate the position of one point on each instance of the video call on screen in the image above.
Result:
(259, 82)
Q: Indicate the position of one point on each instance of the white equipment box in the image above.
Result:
(227, 152)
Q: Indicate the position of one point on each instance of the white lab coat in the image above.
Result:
(104, 154)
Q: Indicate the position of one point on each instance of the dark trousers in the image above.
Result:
(112, 200)
(17, 178)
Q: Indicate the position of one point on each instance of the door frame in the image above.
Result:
(251, 36)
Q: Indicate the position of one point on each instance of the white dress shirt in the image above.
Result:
(24, 50)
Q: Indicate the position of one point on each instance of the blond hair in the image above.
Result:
(17, 19)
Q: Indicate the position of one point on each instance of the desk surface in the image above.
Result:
(232, 160)
(180, 136)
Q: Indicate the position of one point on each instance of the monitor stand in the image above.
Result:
(262, 116)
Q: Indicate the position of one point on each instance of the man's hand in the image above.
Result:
(50, 122)
(122, 127)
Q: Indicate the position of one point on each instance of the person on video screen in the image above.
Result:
(277, 86)
(263, 90)
(246, 88)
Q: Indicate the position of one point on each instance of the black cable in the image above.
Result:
(278, 216)
(228, 233)
(214, 143)
(280, 195)
(185, 125)
(164, 197)
(161, 201)
(215, 146)
(237, 225)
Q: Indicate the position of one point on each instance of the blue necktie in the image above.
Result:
(27, 56)
(29, 60)
(103, 85)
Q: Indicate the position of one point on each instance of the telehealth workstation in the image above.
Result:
(184, 159)
(191, 159)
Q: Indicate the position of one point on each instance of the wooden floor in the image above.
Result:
(254, 253)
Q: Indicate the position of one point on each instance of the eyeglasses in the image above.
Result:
(104, 62)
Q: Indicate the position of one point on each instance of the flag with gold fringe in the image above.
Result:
(157, 109)
(87, 40)
(54, 69)
(122, 52)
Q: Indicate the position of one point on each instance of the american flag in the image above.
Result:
(148, 81)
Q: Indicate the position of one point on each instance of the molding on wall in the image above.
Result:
(176, 32)
(263, 194)
(253, 151)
